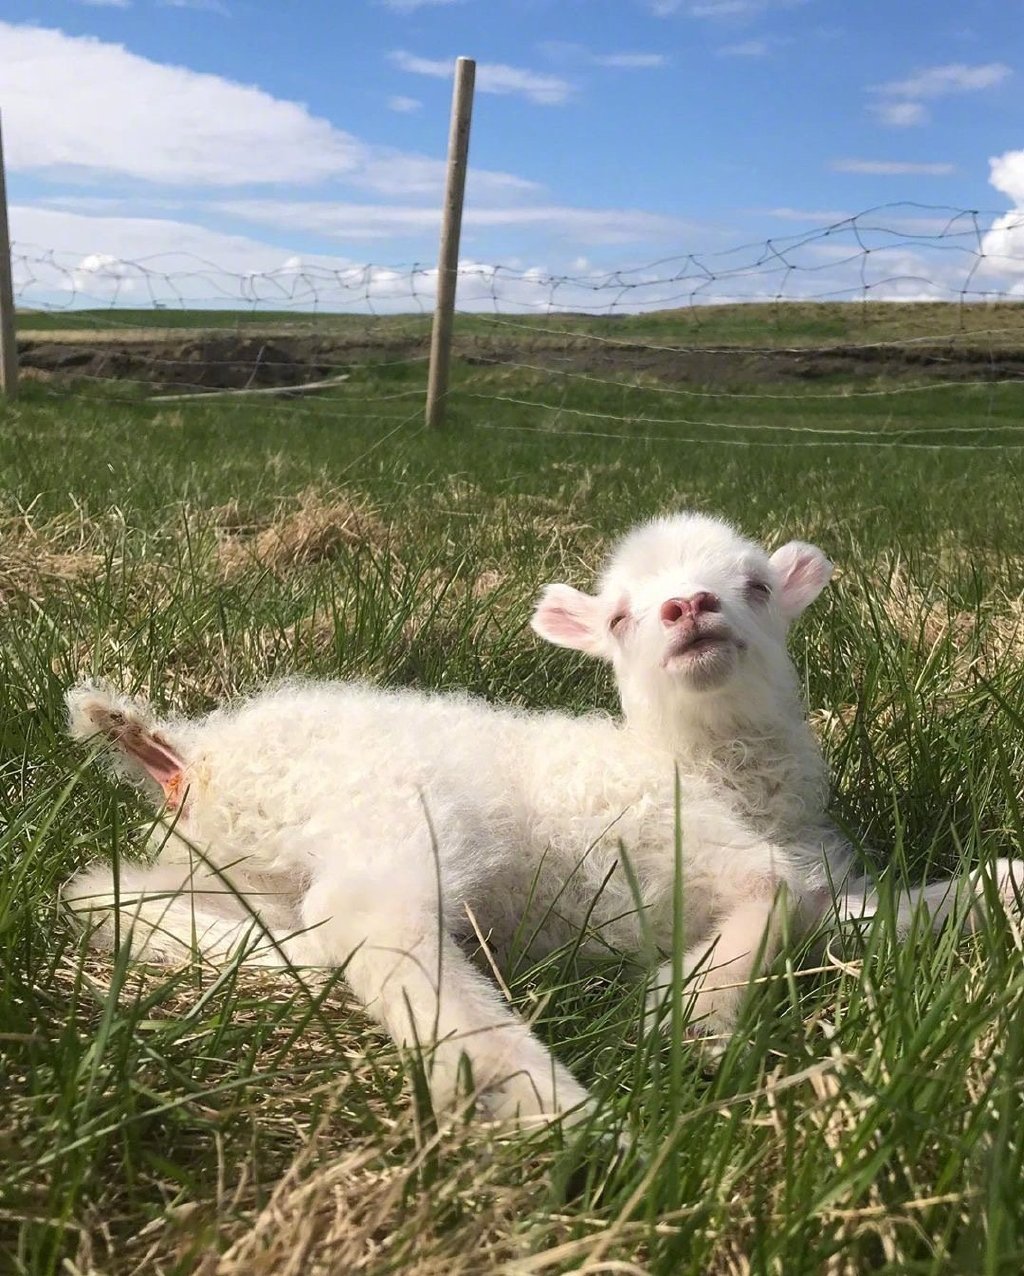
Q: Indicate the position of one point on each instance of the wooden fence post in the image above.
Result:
(8, 338)
(451, 229)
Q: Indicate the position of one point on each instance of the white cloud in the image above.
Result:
(1003, 247)
(629, 61)
(180, 127)
(404, 105)
(900, 114)
(950, 223)
(336, 220)
(106, 204)
(724, 8)
(71, 233)
(492, 77)
(720, 9)
(57, 251)
(892, 168)
(745, 49)
(940, 81)
(204, 6)
(826, 217)
(103, 274)
(901, 103)
(172, 124)
(403, 176)
(1003, 244)
(409, 6)
(366, 221)
(1006, 173)
(567, 51)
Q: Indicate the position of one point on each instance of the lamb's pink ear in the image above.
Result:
(803, 572)
(570, 618)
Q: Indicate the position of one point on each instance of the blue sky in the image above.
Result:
(606, 132)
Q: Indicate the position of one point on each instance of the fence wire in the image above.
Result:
(698, 347)
(900, 251)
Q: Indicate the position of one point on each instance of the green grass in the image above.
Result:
(870, 1114)
(181, 322)
(764, 324)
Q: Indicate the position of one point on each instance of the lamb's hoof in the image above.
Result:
(1008, 876)
(709, 1044)
(590, 1164)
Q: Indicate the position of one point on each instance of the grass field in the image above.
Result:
(799, 323)
(870, 1116)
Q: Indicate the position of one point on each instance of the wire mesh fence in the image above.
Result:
(894, 252)
(899, 327)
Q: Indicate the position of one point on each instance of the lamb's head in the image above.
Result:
(690, 614)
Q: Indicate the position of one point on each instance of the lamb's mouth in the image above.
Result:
(697, 648)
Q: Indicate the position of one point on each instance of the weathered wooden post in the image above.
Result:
(451, 230)
(8, 337)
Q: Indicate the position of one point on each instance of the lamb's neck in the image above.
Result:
(763, 754)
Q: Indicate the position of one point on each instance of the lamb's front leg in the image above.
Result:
(716, 972)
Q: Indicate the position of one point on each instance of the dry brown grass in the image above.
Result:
(345, 1197)
(487, 582)
(324, 525)
(33, 553)
(1005, 631)
(449, 1207)
(967, 642)
(920, 617)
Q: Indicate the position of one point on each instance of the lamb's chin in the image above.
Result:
(705, 668)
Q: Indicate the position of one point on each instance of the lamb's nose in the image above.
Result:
(676, 609)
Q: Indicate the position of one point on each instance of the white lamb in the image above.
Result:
(337, 825)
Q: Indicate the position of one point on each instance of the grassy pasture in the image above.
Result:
(764, 324)
(870, 1115)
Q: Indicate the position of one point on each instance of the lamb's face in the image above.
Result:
(691, 603)
(686, 607)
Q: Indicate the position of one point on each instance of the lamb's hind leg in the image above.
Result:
(168, 912)
(965, 898)
(414, 979)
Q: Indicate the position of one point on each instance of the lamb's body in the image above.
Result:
(376, 830)
(486, 807)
